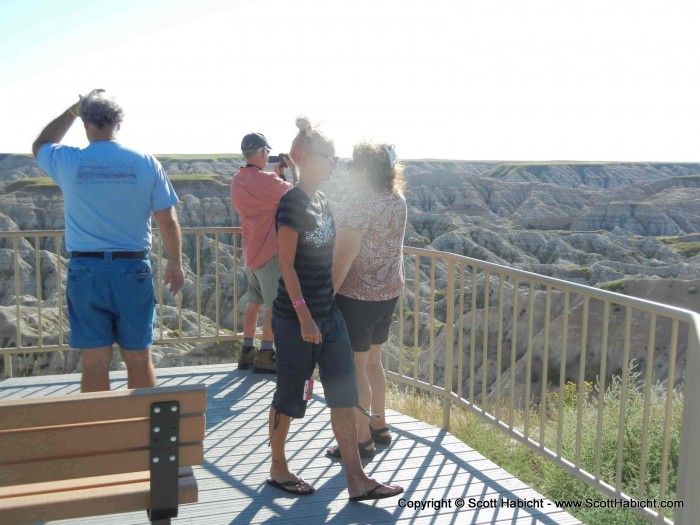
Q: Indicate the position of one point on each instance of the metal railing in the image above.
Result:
(539, 358)
(41, 252)
(517, 349)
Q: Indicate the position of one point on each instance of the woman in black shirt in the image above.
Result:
(308, 326)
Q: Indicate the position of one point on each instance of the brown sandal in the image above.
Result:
(380, 436)
(334, 451)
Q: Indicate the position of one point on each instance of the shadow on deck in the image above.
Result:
(435, 468)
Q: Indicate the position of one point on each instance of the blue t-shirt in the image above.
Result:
(109, 192)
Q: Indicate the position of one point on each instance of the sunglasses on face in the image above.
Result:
(333, 159)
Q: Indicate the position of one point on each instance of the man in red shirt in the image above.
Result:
(255, 194)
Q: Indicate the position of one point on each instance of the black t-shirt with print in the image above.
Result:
(313, 221)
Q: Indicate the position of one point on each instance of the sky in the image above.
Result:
(531, 80)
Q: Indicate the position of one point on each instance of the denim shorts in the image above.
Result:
(110, 300)
(296, 360)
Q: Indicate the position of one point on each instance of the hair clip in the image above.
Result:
(391, 154)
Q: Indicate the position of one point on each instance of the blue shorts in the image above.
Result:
(296, 360)
(110, 300)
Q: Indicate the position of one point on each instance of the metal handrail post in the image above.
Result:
(688, 485)
(449, 344)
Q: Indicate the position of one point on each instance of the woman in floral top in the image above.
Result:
(368, 275)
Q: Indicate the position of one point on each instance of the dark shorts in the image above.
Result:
(296, 360)
(110, 300)
(368, 321)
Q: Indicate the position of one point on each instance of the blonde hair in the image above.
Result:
(308, 139)
(385, 174)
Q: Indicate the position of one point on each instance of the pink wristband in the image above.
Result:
(297, 304)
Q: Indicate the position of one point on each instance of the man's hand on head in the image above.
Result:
(75, 108)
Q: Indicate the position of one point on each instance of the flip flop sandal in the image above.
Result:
(334, 451)
(380, 436)
(373, 494)
(292, 487)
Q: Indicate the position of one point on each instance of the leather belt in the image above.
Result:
(115, 255)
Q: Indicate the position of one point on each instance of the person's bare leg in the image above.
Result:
(139, 368)
(377, 383)
(250, 319)
(267, 326)
(359, 483)
(279, 469)
(365, 396)
(96, 363)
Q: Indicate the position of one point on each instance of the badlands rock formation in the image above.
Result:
(632, 226)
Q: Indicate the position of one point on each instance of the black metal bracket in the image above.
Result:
(164, 461)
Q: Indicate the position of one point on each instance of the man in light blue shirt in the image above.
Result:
(109, 194)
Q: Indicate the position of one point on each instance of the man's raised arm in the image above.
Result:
(57, 128)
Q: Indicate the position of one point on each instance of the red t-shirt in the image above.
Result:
(255, 194)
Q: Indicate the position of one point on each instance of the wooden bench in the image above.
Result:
(101, 453)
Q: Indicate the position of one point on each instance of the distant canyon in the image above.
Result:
(629, 227)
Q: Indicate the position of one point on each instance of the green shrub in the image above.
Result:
(31, 183)
(585, 271)
(614, 286)
(687, 249)
(561, 485)
(571, 395)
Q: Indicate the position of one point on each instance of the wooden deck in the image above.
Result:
(431, 464)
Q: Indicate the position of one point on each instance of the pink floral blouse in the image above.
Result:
(377, 272)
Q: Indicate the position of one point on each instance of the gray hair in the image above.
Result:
(100, 110)
(249, 153)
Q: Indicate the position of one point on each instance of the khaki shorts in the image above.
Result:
(263, 282)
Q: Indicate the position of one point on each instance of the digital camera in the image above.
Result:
(281, 158)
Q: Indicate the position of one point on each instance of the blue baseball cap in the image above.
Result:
(254, 141)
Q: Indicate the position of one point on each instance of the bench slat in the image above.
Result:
(88, 439)
(82, 483)
(97, 406)
(89, 466)
(93, 501)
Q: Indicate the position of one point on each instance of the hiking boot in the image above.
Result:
(246, 357)
(265, 362)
